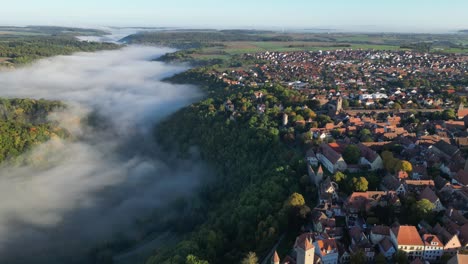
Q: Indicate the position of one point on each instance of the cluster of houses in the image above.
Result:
(337, 216)
(358, 75)
(433, 145)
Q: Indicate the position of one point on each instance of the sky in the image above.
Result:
(341, 15)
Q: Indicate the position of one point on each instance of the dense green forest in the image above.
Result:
(248, 206)
(27, 49)
(23, 124)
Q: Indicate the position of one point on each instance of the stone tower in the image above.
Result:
(305, 253)
(339, 105)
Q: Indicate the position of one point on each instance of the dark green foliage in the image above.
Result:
(245, 208)
(27, 49)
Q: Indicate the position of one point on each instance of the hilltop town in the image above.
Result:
(384, 137)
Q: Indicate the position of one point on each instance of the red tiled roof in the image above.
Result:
(407, 235)
(429, 239)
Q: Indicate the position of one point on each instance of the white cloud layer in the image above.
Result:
(86, 190)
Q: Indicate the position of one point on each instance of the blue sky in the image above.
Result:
(356, 15)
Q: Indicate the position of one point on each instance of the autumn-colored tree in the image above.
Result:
(251, 258)
(404, 166)
(360, 184)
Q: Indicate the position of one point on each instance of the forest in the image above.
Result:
(27, 49)
(24, 124)
(258, 194)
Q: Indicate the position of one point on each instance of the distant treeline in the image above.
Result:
(27, 49)
(194, 39)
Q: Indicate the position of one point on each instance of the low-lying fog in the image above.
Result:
(87, 190)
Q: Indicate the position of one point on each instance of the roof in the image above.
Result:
(329, 153)
(367, 152)
(428, 194)
(432, 240)
(446, 148)
(462, 177)
(386, 244)
(326, 245)
(407, 235)
(304, 241)
(381, 230)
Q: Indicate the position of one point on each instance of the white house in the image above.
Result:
(370, 158)
(433, 247)
(330, 159)
(407, 239)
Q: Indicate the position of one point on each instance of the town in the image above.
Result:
(384, 135)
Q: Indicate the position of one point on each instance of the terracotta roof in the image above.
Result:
(432, 240)
(304, 241)
(407, 235)
(326, 245)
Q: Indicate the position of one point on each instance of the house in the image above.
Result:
(433, 247)
(462, 112)
(327, 251)
(360, 242)
(386, 248)
(407, 239)
(461, 178)
(451, 242)
(378, 233)
(370, 158)
(444, 149)
(312, 158)
(331, 159)
(430, 195)
(459, 259)
(328, 191)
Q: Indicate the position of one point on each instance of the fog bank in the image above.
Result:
(85, 190)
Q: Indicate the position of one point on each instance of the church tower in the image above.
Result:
(305, 252)
(339, 105)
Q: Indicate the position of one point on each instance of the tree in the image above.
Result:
(358, 257)
(380, 259)
(424, 207)
(251, 258)
(351, 154)
(191, 259)
(295, 200)
(338, 177)
(404, 166)
(401, 257)
(360, 184)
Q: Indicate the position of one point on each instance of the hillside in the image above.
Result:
(23, 124)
